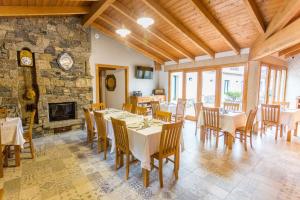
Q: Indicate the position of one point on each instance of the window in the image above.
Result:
(263, 84)
(191, 92)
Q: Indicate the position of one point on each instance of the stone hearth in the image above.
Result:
(46, 37)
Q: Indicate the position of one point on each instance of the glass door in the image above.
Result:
(263, 85)
(232, 85)
(191, 92)
(176, 86)
(209, 88)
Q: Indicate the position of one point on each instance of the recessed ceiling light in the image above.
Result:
(145, 21)
(123, 32)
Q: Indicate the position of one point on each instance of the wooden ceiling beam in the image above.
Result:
(138, 38)
(16, 11)
(201, 8)
(156, 33)
(179, 26)
(293, 53)
(283, 17)
(256, 16)
(283, 39)
(289, 50)
(125, 42)
(97, 9)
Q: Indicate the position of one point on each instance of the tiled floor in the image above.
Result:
(65, 168)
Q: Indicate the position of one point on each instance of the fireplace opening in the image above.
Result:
(62, 111)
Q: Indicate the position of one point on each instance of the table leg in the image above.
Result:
(296, 130)
(17, 154)
(229, 140)
(146, 177)
(289, 136)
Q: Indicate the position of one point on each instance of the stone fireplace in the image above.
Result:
(46, 37)
(62, 111)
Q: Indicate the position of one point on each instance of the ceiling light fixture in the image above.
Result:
(145, 21)
(123, 32)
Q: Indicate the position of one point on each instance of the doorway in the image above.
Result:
(120, 95)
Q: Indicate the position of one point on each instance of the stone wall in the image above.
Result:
(46, 37)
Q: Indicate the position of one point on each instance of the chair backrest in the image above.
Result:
(88, 120)
(231, 106)
(197, 106)
(127, 107)
(170, 139)
(3, 113)
(211, 117)
(31, 123)
(250, 120)
(98, 106)
(141, 110)
(164, 116)
(283, 104)
(180, 108)
(100, 123)
(155, 106)
(121, 135)
(270, 113)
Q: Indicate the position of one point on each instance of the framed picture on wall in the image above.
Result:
(110, 82)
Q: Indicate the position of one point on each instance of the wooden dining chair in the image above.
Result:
(28, 134)
(91, 132)
(122, 144)
(98, 106)
(231, 106)
(141, 110)
(180, 110)
(197, 106)
(102, 135)
(127, 107)
(283, 104)
(155, 106)
(246, 131)
(169, 146)
(211, 117)
(270, 116)
(3, 113)
(164, 116)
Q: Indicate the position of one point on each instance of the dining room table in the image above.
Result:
(143, 134)
(229, 121)
(288, 118)
(12, 135)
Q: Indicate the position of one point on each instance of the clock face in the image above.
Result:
(26, 61)
(65, 61)
(26, 58)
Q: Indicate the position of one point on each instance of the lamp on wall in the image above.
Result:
(123, 32)
(145, 22)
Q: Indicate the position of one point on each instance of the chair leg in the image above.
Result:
(281, 130)
(117, 159)
(99, 145)
(127, 165)
(217, 140)
(276, 134)
(31, 149)
(176, 166)
(160, 168)
(251, 140)
(245, 140)
(152, 163)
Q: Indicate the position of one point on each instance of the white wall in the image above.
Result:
(106, 50)
(293, 81)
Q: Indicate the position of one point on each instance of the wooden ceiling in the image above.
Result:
(182, 28)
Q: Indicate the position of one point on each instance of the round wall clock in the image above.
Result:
(110, 82)
(65, 61)
(26, 58)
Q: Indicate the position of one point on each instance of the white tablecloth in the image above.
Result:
(142, 143)
(168, 108)
(229, 122)
(288, 117)
(12, 131)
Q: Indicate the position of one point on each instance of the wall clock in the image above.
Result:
(25, 58)
(65, 61)
(110, 82)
